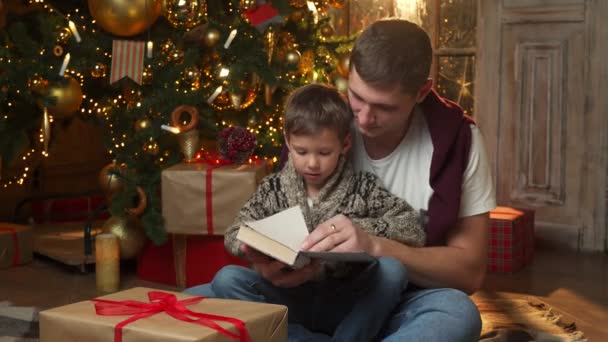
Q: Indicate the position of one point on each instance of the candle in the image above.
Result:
(149, 49)
(74, 31)
(230, 38)
(64, 65)
(217, 91)
(171, 129)
(107, 262)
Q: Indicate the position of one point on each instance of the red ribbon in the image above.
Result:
(168, 303)
(15, 243)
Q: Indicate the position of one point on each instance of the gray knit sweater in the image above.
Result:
(358, 196)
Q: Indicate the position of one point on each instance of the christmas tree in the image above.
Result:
(158, 76)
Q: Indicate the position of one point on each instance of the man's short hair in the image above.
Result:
(314, 107)
(393, 52)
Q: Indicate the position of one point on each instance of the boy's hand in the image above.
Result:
(338, 234)
(277, 272)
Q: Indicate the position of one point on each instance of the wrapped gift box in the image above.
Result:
(185, 260)
(511, 239)
(155, 316)
(16, 244)
(204, 200)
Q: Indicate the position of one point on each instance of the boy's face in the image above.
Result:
(315, 157)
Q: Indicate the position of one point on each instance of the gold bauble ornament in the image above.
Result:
(109, 182)
(297, 3)
(342, 64)
(37, 84)
(63, 36)
(212, 36)
(327, 31)
(125, 18)
(131, 237)
(185, 13)
(292, 57)
(340, 82)
(99, 70)
(297, 15)
(339, 4)
(142, 124)
(67, 95)
(246, 5)
(151, 147)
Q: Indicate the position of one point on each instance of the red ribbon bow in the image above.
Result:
(15, 243)
(168, 303)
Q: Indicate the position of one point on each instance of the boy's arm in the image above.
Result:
(389, 216)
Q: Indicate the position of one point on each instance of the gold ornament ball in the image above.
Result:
(125, 18)
(342, 64)
(99, 70)
(246, 5)
(64, 35)
(188, 13)
(292, 57)
(142, 124)
(109, 182)
(131, 237)
(297, 3)
(212, 36)
(151, 147)
(68, 97)
(327, 31)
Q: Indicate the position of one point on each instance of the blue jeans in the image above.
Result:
(421, 315)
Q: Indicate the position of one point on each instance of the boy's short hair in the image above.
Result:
(393, 52)
(313, 107)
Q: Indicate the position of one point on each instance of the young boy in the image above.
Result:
(347, 301)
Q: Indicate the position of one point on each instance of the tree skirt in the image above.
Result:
(519, 320)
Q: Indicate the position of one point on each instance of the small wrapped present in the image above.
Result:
(178, 262)
(203, 199)
(16, 244)
(147, 315)
(511, 239)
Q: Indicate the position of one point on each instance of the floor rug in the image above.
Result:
(523, 320)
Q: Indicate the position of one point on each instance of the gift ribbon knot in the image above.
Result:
(167, 303)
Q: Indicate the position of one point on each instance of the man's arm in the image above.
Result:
(461, 264)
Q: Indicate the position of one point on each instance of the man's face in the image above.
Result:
(379, 112)
(315, 157)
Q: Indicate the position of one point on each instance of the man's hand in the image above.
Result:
(338, 234)
(277, 272)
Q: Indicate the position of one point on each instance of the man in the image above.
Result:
(426, 151)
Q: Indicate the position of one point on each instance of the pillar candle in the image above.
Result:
(107, 262)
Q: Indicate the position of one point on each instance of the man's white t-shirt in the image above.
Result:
(405, 172)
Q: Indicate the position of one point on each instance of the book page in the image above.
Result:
(286, 227)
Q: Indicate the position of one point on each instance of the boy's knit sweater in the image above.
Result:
(358, 196)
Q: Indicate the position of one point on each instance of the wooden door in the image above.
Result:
(541, 103)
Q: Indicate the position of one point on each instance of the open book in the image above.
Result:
(281, 235)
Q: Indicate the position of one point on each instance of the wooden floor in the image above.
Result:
(576, 285)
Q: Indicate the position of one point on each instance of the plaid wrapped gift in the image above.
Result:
(511, 244)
